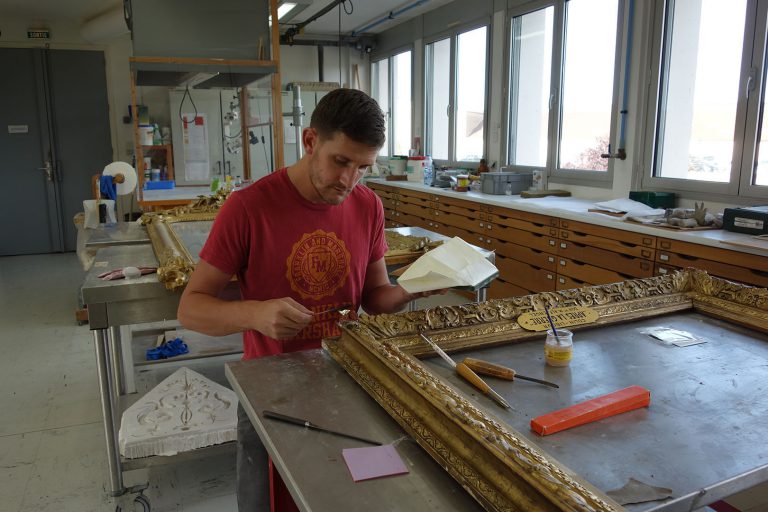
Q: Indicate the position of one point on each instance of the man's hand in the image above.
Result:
(280, 319)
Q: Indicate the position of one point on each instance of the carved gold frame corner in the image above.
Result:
(175, 262)
(493, 462)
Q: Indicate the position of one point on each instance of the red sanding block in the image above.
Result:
(598, 408)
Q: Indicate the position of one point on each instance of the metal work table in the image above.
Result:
(703, 435)
(311, 385)
(121, 233)
(110, 305)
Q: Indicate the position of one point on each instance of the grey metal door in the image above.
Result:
(54, 135)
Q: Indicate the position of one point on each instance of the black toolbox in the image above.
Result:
(752, 220)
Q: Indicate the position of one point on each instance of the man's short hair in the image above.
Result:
(351, 112)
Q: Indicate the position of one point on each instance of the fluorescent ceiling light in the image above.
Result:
(284, 9)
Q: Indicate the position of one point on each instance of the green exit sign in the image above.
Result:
(38, 33)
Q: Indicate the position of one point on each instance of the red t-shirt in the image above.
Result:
(281, 245)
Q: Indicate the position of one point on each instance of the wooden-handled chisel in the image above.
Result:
(502, 372)
(467, 373)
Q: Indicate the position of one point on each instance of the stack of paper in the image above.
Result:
(455, 264)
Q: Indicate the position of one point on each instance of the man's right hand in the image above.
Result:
(280, 319)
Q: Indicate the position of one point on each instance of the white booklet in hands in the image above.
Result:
(454, 264)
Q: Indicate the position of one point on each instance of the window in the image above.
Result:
(394, 98)
(380, 92)
(706, 133)
(455, 96)
(562, 88)
(530, 85)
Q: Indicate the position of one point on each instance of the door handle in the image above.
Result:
(48, 170)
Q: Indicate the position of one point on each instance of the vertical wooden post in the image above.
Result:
(277, 103)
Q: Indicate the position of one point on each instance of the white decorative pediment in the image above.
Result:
(184, 412)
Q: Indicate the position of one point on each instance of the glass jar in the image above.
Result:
(558, 350)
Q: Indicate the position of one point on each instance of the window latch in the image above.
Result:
(750, 82)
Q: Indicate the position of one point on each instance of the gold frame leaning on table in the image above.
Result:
(175, 263)
(494, 462)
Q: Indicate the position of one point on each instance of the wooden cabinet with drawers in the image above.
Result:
(736, 266)
(536, 252)
(592, 254)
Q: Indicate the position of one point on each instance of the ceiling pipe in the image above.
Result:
(287, 37)
(391, 16)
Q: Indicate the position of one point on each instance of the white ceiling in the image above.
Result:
(363, 13)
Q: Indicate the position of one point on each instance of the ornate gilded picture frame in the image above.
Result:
(177, 236)
(496, 464)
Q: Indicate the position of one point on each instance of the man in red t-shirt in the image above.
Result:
(302, 240)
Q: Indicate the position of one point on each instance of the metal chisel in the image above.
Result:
(467, 373)
(308, 424)
(502, 372)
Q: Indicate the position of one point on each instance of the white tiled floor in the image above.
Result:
(52, 454)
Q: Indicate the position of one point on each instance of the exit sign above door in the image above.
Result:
(38, 33)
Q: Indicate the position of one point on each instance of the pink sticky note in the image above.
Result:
(373, 462)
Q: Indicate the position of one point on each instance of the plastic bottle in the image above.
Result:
(558, 350)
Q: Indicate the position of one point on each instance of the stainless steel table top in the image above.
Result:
(706, 424)
(311, 385)
(121, 233)
(126, 301)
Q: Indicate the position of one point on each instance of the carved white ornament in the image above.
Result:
(184, 412)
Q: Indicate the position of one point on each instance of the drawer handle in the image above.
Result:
(488, 240)
(645, 254)
(481, 225)
(551, 259)
(561, 279)
(664, 257)
(647, 241)
(563, 245)
(550, 277)
(666, 245)
(490, 227)
(562, 263)
(480, 238)
(662, 270)
(552, 243)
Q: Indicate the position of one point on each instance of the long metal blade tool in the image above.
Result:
(306, 423)
(467, 373)
(502, 372)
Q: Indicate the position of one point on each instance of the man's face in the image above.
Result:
(336, 164)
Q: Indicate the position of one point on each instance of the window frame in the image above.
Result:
(739, 187)
(554, 173)
(453, 35)
(390, 58)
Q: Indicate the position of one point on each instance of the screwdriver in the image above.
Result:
(464, 370)
(502, 372)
